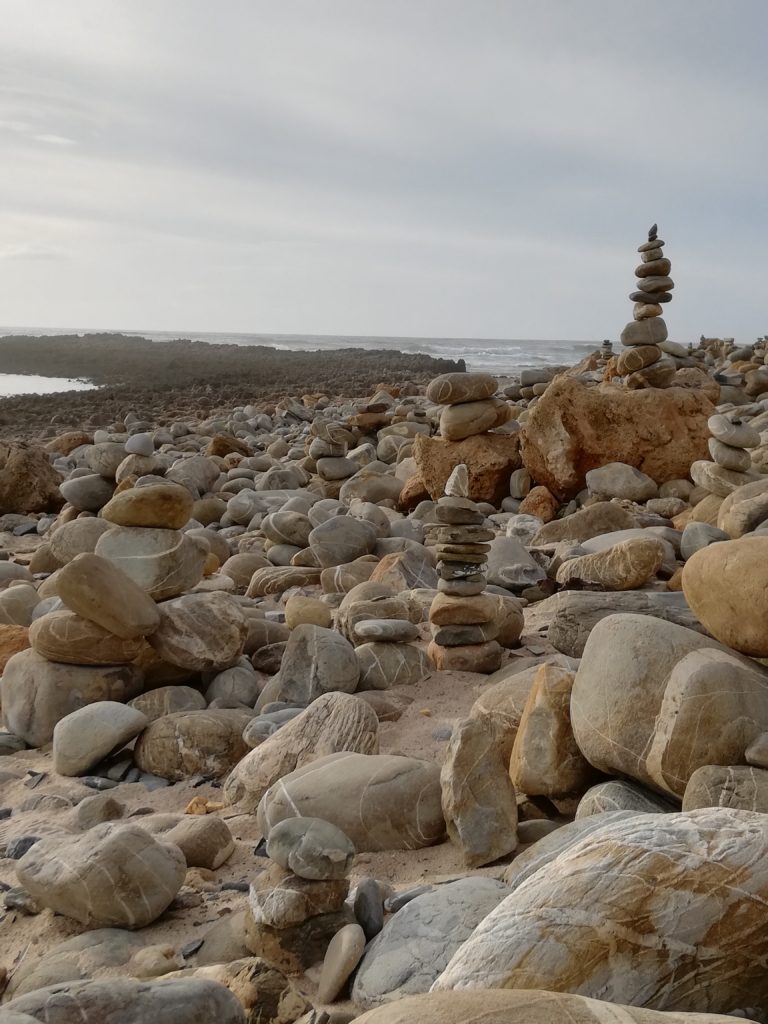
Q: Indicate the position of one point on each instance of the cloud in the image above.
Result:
(439, 168)
(30, 251)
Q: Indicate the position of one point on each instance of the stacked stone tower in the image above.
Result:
(463, 621)
(643, 363)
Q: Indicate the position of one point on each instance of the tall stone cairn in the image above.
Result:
(461, 618)
(643, 364)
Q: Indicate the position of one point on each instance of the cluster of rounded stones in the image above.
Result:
(643, 363)
(729, 447)
(461, 618)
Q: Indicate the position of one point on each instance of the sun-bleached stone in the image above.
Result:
(99, 591)
(164, 563)
(200, 631)
(625, 566)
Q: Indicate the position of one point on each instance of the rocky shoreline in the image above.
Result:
(408, 695)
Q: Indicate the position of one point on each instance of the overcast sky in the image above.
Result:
(479, 168)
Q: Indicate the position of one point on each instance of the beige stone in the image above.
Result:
(739, 786)
(726, 586)
(718, 480)
(625, 566)
(452, 388)
(653, 701)
(478, 797)
(37, 693)
(111, 876)
(164, 563)
(310, 610)
(208, 743)
(279, 898)
(200, 631)
(205, 840)
(68, 540)
(458, 422)
(333, 722)
(483, 657)
(162, 505)
(546, 760)
(381, 801)
(744, 509)
(592, 521)
(97, 590)
(278, 579)
(69, 639)
(522, 1006)
(28, 481)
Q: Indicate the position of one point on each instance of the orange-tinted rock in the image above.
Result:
(66, 443)
(223, 444)
(574, 428)
(12, 640)
(540, 502)
(490, 459)
(28, 482)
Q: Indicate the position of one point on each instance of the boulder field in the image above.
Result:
(443, 703)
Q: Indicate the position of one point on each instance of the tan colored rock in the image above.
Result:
(637, 358)
(726, 586)
(483, 658)
(447, 610)
(208, 743)
(205, 840)
(301, 610)
(164, 563)
(546, 760)
(458, 422)
(522, 1006)
(69, 639)
(381, 801)
(592, 521)
(540, 502)
(99, 591)
(295, 948)
(280, 899)
(744, 509)
(478, 797)
(37, 693)
(13, 639)
(718, 480)
(406, 570)
(739, 786)
(200, 631)
(28, 481)
(649, 890)
(165, 506)
(111, 876)
(167, 700)
(625, 566)
(490, 459)
(653, 701)
(333, 722)
(278, 579)
(452, 388)
(340, 579)
(574, 428)
(65, 443)
(68, 540)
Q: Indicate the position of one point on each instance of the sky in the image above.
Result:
(441, 168)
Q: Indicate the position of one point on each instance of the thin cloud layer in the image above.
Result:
(436, 168)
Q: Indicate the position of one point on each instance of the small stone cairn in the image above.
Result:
(729, 447)
(643, 363)
(470, 405)
(462, 620)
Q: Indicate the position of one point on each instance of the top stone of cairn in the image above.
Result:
(455, 388)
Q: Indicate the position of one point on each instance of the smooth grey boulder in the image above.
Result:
(416, 944)
(700, 535)
(316, 661)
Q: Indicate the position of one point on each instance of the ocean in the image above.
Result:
(12, 384)
(495, 355)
